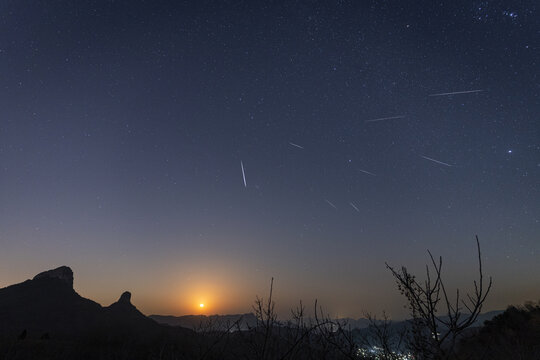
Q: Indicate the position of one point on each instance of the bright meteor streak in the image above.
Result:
(436, 161)
(367, 172)
(296, 145)
(457, 92)
(243, 173)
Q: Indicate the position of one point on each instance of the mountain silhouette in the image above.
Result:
(122, 316)
(45, 318)
(48, 304)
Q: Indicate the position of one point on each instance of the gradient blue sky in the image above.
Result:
(124, 124)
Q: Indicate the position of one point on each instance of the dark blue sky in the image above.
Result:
(124, 125)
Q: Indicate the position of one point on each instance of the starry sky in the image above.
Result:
(190, 151)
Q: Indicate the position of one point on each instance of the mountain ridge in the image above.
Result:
(49, 304)
(248, 320)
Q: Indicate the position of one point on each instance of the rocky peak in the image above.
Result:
(63, 273)
(125, 298)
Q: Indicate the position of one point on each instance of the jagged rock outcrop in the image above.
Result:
(45, 318)
(63, 273)
(48, 303)
(125, 298)
(124, 312)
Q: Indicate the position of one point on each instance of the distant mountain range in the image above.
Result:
(365, 323)
(232, 322)
(201, 323)
(246, 321)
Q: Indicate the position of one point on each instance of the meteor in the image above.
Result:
(386, 118)
(367, 172)
(332, 205)
(298, 146)
(437, 161)
(354, 207)
(243, 173)
(457, 92)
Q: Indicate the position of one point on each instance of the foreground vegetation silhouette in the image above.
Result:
(44, 318)
(437, 320)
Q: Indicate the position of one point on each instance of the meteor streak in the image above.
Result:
(367, 172)
(386, 118)
(332, 205)
(243, 173)
(437, 161)
(298, 146)
(457, 92)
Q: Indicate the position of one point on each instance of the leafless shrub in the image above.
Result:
(301, 337)
(437, 321)
(381, 340)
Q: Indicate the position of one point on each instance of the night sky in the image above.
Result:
(188, 152)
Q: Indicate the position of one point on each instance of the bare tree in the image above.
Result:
(266, 322)
(382, 337)
(219, 332)
(335, 337)
(433, 336)
(300, 337)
